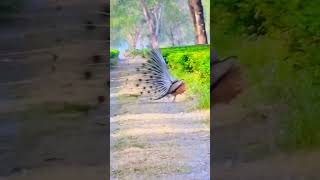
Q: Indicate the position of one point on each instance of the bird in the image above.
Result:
(155, 79)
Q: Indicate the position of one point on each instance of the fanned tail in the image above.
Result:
(155, 80)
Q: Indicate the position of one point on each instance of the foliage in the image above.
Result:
(277, 42)
(176, 24)
(192, 65)
(114, 53)
(127, 19)
(136, 52)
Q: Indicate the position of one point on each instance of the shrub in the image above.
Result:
(192, 65)
(114, 53)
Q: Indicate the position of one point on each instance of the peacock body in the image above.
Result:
(155, 80)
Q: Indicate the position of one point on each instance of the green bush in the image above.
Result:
(114, 53)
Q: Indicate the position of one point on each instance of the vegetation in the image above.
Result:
(192, 65)
(114, 53)
(277, 42)
(143, 23)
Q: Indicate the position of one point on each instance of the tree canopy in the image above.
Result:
(171, 18)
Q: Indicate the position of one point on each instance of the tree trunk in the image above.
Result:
(178, 37)
(141, 42)
(196, 11)
(133, 38)
(131, 41)
(137, 37)
(153, 22)
(171, 37)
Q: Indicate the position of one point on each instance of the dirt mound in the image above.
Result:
(229, 87)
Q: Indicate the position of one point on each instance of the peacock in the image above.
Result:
(155, 80)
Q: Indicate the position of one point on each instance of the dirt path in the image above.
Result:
(155, 140)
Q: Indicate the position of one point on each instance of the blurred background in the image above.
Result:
(53, 92)
(172, 20)
(274, 116)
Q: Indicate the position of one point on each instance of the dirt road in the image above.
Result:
(155, 139)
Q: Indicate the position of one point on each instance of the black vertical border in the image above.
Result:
(212, 58)
(108, 89)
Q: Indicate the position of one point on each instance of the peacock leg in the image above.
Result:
(174, 99)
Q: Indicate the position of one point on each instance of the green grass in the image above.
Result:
(280, 56)
(192, 65)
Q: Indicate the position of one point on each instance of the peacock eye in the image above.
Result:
(151, 76)
(144, 87)
(140, 79)
(150, 86)
(137, 85)
(141, 92)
